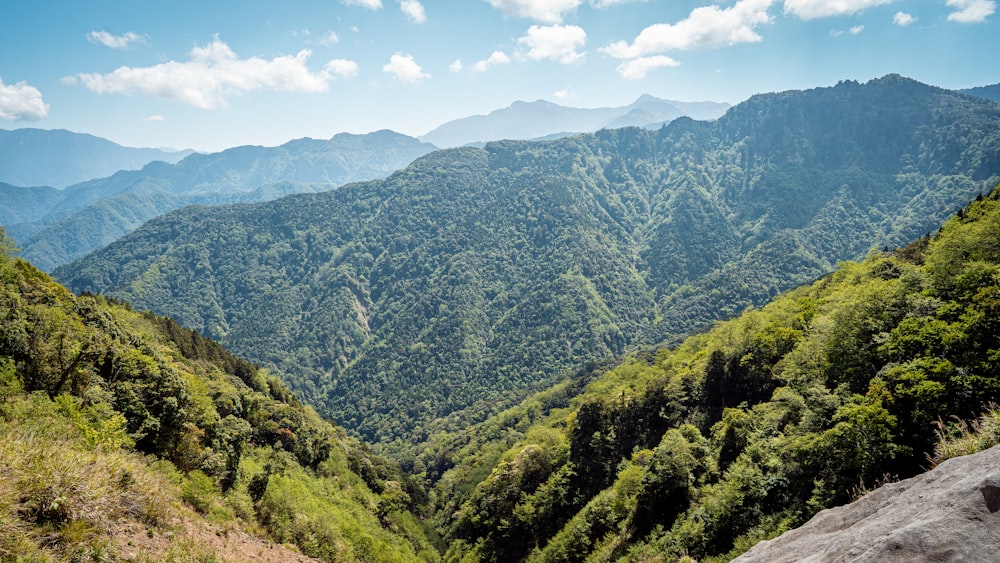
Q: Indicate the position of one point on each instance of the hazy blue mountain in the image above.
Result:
(60, 158)
(86, 216)
(476, 274)
(991, 92)
(541, 119)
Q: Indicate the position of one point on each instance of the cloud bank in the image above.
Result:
(115, 41)
(704, 28)
(559, 43)
(404, 69)
(21, 102)
(971, 11)
(216, 73)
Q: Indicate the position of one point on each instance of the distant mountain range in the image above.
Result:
(991, 92)
(59, 158)
(57, 226)
(541, 119)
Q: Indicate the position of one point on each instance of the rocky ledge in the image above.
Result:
(947, 514)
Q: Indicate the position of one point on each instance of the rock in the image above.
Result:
(947, 514)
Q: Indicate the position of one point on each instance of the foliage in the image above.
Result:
(110, 418)
(747, 430)
(452, 289)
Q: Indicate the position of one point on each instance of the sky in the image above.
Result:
(212, 75)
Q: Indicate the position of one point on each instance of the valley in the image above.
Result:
(636, 344)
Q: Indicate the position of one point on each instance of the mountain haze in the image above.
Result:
(455, 285)
(60, 158)
(89, 215)
(534, 120)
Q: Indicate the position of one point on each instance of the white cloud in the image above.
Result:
(546, 11)
(456, 66)
(970, 11)
(370, 4)
(606, 3)
(636, 69)
(153, 118)
(496, 58)
(562, 94)
(404, 68)
(413, 10)
(115, 41)
(329, 38)
(21, 102)
(705, 27)
(812, 9)
(554, 42)
(214, 73)
(342, 67)
(902, 19)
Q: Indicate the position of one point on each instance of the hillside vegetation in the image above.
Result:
(749, 429)
(456, 286)
(118, 428)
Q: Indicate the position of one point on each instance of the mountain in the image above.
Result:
(457, 285)
(59, 158)
(869, 375)
(991, 92)
(126, 437)
(89, 215)
(539, 119)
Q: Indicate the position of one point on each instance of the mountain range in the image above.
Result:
(541, 119)
(59, 158)
(458, 284)
(57, 226)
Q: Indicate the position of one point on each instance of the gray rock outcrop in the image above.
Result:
(947, 514)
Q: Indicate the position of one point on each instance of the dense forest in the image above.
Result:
(450, 290)
(119, 427)
(738, 434)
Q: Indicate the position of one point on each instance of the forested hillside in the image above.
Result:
(475, 275)
(746, 431)
(89, 215)
(118, 428)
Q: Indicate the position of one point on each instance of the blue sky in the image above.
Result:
(210, 75)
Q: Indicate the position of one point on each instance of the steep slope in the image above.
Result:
(748, 430)
(89, 215)
(60, 158)
(538, 119)
(118, 428)
(475, 274)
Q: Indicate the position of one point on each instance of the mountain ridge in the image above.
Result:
(555, 253)
(59, 158)
(523, 120)
(91, 214)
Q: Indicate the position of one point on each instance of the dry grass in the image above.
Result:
(61, 500)
(962, 438)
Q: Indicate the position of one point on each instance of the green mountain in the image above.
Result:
(699, 451)
(457, 285)
(60, 158)
(126, 437)
(87, 216)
